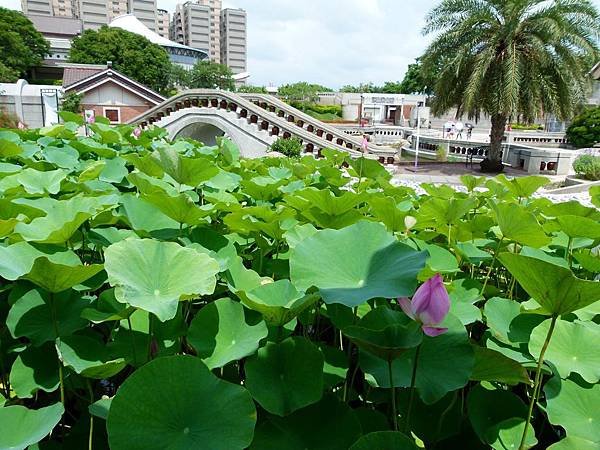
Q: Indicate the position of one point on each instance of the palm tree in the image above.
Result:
(511, 59)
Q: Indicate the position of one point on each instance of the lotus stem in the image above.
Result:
(57, 336)
(393, 389)
(413, 380)
(536, 384)
(489, 272)
(91, 434)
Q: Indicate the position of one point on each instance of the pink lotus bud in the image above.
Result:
(137, 131)
(429, 305)
(21, 125)
(90, 119)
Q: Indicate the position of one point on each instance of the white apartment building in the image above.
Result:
(191, 26)
(214, 28)
(162, 22)
(94, 13)
(233, 39)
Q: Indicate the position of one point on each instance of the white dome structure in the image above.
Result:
(179, 54)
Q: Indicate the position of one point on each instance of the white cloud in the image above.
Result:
(331, 42)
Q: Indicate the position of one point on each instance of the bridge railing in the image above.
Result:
(315, 136)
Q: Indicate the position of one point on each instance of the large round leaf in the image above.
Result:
(32, 317)
(571, 349)
(220, 333)
(154, 276)
(575, 408)
(35, 368)
(88, 356)
(175, 402)
(498, 418)
(21, 427)
(554, 287)
(355, 264)
(327, 425)
(385, 333)
(278, 302)
(286, 376)
(445, 364)
(384, 440)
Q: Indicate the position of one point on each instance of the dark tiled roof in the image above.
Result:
(74, 74)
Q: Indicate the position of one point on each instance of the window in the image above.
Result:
(113, 114)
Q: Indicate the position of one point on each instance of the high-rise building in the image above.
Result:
(94, 13)
(162, 23)
(191, 26)
(233, 39)
(214, 29)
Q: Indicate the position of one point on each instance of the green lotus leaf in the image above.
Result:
(555, 288)
(184, 170)
(385, 333)
(100, 408)
(220, 333)
(519, 225)
(155, 276)
(327, 425)
(8, 149)
(441, 212)
(21, 427)
(574, 407)
(114, 170)
(17, 260)
(445, 364)
(369, 168)
(65, 157)
(107, 308)
(105, 133)
(180, 208)
(175, 402)
(88, 357)
(56, 277)
(286, 376)
(471, 182)
(499, 313)
(63, 218)
(385, 440)
(34, 181)
(31, 316)
(144, 216)
(491, 365)
(363, 261)
(463, 295)
(299, 233)
(91, 171)
(569, 349)
(35, 369)
(498, 418)
(279, 302)
(575, 443)
(575, 226)
(523, 187)
(588, 261)
(68, 116)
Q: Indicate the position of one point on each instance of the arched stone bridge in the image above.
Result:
(252, 121)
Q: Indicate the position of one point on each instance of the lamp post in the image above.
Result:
(419, 104)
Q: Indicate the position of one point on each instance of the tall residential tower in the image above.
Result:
(233, 39)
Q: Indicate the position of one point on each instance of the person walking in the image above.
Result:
(469, 131)
(365, 144)
(459, 129)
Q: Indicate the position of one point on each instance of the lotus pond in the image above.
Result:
(158, 294)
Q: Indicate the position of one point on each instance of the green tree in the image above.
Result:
(418, 79)
(249, 89)
(511, 58)
(71, 102)
(131, 54)
(584, 131)
(21, 45)
(210, 75)
(301, 92)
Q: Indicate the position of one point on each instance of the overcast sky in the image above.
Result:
(330, 42)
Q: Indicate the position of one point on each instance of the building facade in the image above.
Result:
(162, 22)
(233, 39)
(214, 51)
(94, 13)
(191, 26)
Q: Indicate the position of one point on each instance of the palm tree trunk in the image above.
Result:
(494, 162)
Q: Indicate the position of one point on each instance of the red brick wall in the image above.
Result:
(127, 112)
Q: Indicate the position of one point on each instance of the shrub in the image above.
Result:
(588, 167)
(8, 119)
(584, 131)
(527, 126)
(441, 153)
(72, 102)
(291, 147)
